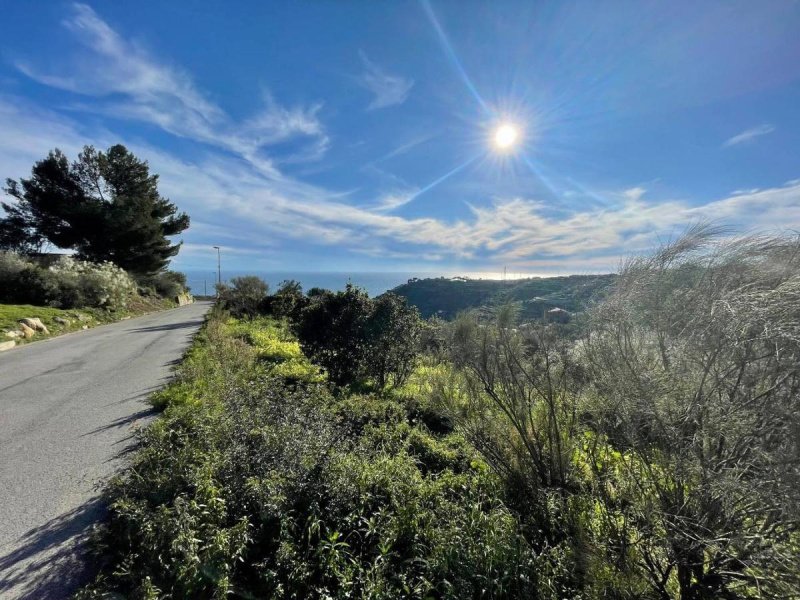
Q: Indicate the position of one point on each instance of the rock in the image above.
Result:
(63, 321)
(7, 345)
(26, 331)
(35, 324)
(85, 327)
(184, 299)
(82, 317)
(13, 334)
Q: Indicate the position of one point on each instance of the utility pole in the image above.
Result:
(219, 265)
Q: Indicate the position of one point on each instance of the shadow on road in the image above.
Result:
(48, 556)
(170, 326)
(145, 413)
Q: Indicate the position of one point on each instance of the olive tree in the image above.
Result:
(356, 338)
(392, 330)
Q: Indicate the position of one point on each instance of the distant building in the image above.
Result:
(558, 315)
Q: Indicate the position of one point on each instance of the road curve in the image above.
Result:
(68, 406)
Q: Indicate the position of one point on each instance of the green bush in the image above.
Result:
(68, 283)
(11, 265)
(244, 297)
(167, 284)
(358, 339)
(288, 302)
(93, 284)
(264, 487)
(332, 331)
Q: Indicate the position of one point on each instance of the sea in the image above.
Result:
(375, 283)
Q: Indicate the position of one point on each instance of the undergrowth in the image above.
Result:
(10, 314)
(260, 480)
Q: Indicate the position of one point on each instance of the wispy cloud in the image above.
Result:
(634, 194)
(128, 82)
(387, 89)
(391, 202)
(403, 148)
(748, 135)
(517, 231)
(260, 207)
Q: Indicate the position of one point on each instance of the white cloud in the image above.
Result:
(634, 193)
(127, 82)
(388, 90)
(393, 201)
(228, 199)
(238, 197)
(748, 135)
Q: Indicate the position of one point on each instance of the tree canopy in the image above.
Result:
(105, 205)
(355, 337)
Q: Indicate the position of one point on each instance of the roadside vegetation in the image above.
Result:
(105, 210)
(262, 481)
(59, 321)
(70, 295)
(331, 445)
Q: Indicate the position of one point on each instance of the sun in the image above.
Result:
(505, 136)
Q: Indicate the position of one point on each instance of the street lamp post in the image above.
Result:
(219, 265)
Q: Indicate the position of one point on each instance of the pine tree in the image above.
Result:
(105, 205)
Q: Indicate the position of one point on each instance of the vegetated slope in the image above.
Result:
(515, 462)
(260, 482)
(74, 319)
(445, 297)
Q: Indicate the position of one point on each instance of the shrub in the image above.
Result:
(245, 297)
(167, 284)
(392, 332)
(266, 488)
(69, 283)
(288, 302)
(355, 338)
(102, 285)
(332, 331)
(694, 358)
(35, 285)
(11, 265)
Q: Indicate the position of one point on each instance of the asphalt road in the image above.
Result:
(68, 407)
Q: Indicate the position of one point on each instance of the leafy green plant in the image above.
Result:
(244, 297)
(268, 487)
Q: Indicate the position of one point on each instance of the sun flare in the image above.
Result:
(506, 137)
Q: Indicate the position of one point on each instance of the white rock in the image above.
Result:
(35, 324)
(7, 345)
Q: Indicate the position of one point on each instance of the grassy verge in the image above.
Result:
(259, 480)
(10, 314)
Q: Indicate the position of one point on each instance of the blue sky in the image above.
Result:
(340, 136)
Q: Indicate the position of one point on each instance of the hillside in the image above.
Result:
(447, 297)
